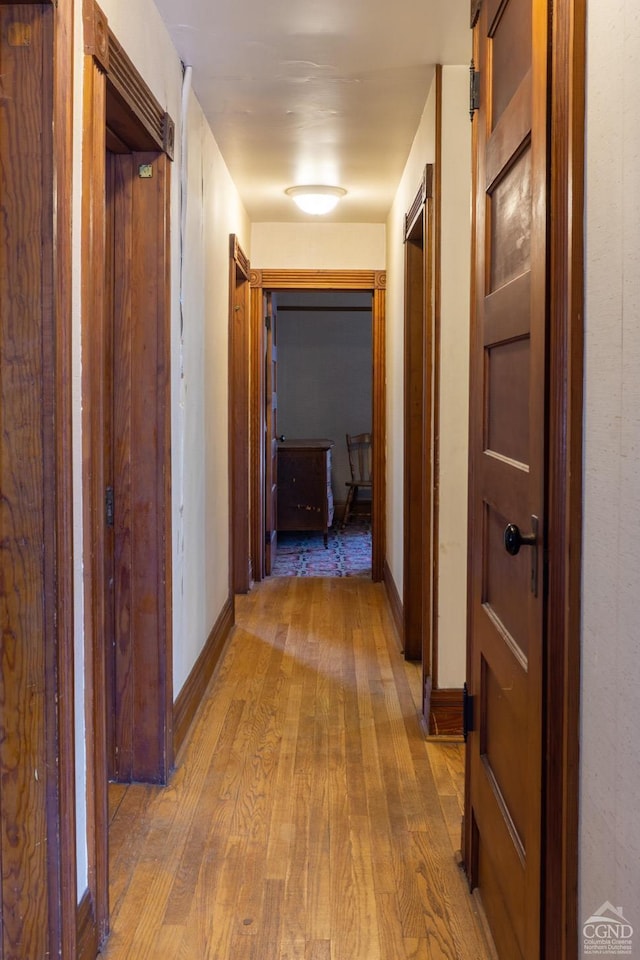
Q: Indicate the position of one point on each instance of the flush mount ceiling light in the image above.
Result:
(316, 198)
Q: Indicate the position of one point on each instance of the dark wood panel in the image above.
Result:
(513, 127)
(378, 443)
(319, 279)
(507, 384)
(562, 926)
(37, 836)
(110, 643)
(510, 219)
(432, 497)
(507, 582)
(506, 312)
(375, 281)
(503, 708)
(150, 583)
(61, 646)
(417, 461)
(150, 473)
(93, 413)
(511, 54)
(119, 371)
(240, 571)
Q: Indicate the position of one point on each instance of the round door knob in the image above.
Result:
(513, 539)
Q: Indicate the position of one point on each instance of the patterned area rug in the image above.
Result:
(348, 553)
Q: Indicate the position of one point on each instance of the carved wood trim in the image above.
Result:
(96, 33)
(564, 514)
(240, 403)
(425, 192)
(257, 468)
(63, 44)
(101, 44)
(378, 454)
(38, 820)
(319, 279)
(93, 231)
(375, 281)
(239, 257)
(436, 264)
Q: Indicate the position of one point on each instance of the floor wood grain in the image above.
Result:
(308, 818)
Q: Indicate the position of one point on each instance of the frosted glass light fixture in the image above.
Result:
(315, 198)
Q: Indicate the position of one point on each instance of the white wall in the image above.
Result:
(200, 454)
(318, 246)
(454, 376)
(422, 152)
(454, 361)
(200, 521)
(610, 745)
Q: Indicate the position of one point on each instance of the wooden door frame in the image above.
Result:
(48, 268)
(240, 565)
(276, 280)
(109, 73)
(560, 774)
(420, 576)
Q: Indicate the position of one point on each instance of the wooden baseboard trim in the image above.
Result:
(190, 697)
(445, 713)
(395, 602)
(86, 929)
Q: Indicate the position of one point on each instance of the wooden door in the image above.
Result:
(420, 364)
(507, 494)
(136, 535)
(271, 434)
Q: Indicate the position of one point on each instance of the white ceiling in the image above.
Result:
(316, 91)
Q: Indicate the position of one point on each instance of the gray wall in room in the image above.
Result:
(324, 380)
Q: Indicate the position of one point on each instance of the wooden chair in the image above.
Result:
(359, 450)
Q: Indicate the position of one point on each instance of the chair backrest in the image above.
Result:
(359, 448)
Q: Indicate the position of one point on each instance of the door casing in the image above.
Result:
(419, 578)
(559, 934)
(148, 230)
(240, 565)
(38, 913)
(274, 280)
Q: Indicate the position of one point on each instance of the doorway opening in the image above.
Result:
(324, 393)
(308, 293)
(420, 432)
(127, 147)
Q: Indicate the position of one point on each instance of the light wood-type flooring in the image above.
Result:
(308, 818)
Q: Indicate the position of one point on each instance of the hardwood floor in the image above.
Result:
(308, 819)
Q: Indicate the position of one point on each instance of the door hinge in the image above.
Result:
(108, 506)
(267, 322)
(467, 712)
(474, 89)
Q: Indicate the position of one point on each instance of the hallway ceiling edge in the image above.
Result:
(316, 91)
